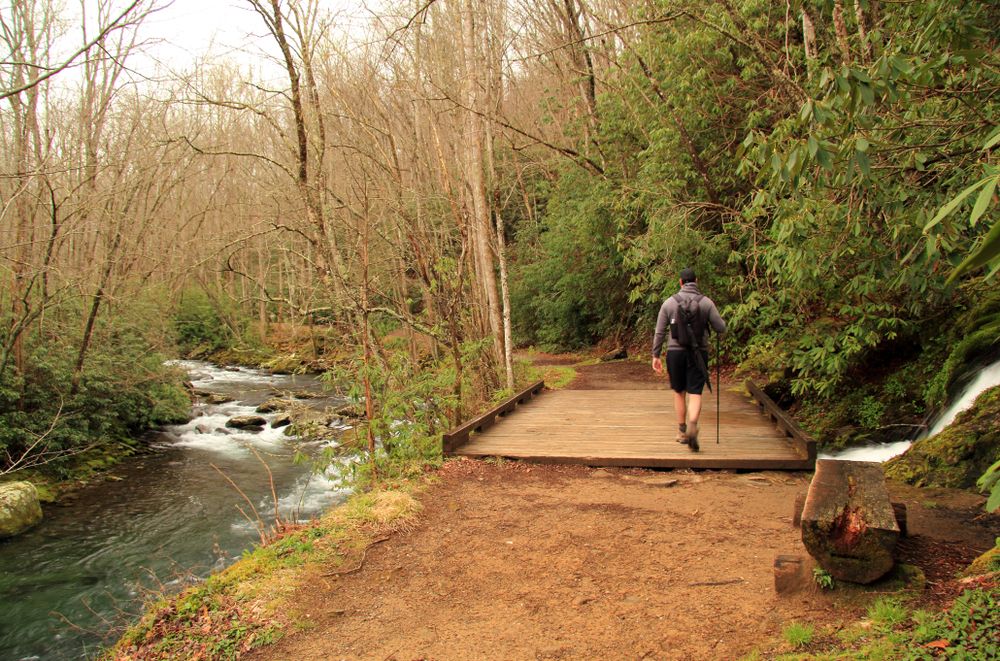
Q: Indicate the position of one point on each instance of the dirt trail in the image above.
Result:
(514, 561)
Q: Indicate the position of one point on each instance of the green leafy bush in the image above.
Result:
(967, 631)
(990, 483)
(870, 412)
(823, 578)
(123, 390)
(412, 403)
(202, 324)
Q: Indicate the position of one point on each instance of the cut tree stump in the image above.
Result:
(848, 522)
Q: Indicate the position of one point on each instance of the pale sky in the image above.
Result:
(187, 29)
(183, 31)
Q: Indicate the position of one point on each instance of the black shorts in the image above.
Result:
(685, 375)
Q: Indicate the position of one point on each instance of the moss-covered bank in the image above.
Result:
(960, 454)
(249, 604)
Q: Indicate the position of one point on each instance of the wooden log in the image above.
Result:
(848, 523)
(619, 353)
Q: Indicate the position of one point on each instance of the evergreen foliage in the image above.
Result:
(124, 389)
(204, 324)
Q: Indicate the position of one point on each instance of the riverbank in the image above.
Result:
(522, 561)
(165, 519)
(281, 348)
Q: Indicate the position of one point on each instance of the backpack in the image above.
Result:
(688, 327)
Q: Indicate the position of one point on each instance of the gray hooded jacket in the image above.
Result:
(668, 311)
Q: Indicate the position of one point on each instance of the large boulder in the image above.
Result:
(247, 422)
(213, 397)
(275, 404)
(19, 508)
(351, 411)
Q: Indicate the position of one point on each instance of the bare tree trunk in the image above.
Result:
(583, 61)
(475, 184)
(366, 340)
(95, 306)
(508, 339)
(808, 39)
(840, 28)
(866, 46)
(329, 263)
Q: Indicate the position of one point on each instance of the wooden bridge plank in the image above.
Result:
(637, 428)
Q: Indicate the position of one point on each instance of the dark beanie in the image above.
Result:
(687, 275)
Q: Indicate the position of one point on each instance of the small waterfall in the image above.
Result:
(985, 379)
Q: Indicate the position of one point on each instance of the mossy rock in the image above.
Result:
(247, 422)
(351, 411)
(987, 563)
(286, 363)
(275, 404)
(248, 356)
(960, 454)
(903, 578)
(19, 508)
(974, 337)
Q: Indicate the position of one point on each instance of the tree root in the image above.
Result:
(729, 582)
(361, 562)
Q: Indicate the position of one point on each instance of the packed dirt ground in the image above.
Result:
(517, 561)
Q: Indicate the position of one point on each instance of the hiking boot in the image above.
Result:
(692, 436)
(682, 438)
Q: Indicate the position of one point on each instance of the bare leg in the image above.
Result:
(694, 408)
(681, 407)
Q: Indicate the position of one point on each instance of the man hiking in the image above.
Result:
(688, 315)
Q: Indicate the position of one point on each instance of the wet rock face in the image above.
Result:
(247, 422)
(19, 508)
(275, 404)
(959, 454)
(212, 397)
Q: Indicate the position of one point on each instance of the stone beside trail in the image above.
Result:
(848, 521)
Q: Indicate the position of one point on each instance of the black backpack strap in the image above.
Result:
(694, 352)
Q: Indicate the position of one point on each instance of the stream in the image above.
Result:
(985, 378)
(163, 521)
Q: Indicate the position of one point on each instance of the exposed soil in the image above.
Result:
(519, 561)
(618, 375)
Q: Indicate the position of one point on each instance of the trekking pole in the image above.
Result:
(718, 389)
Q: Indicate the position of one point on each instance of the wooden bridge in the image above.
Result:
(634, 428)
